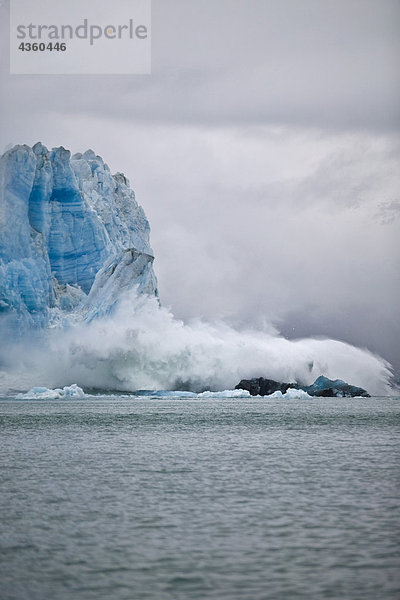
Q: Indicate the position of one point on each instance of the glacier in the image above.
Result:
(72, 238)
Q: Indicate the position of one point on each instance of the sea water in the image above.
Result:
(133, 498)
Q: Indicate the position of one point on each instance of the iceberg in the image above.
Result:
(164, 394)
(323, 386)
(290, 394)
(72, 238)
(187, 394)
(225, 394)
(43, 393)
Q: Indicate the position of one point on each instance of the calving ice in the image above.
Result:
(79, 300)
(84, 31)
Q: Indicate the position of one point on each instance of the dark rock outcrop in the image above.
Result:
(322, 386)
(264, 387)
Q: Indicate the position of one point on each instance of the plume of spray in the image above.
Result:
(142, 346)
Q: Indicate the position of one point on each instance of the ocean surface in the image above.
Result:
(114, 498)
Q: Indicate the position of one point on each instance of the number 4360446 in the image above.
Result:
(41, 47)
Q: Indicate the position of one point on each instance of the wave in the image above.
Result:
(142, 346)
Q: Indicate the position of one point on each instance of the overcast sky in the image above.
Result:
(265, 150)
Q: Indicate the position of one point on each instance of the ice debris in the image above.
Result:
(43, 393)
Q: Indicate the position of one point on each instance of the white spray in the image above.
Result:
(142, 346)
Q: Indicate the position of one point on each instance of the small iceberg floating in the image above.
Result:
(43, 393)
(184, 394)
(290, 394)
(165, 394)
(225, 394)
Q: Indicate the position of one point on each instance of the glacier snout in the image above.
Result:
(72, 237)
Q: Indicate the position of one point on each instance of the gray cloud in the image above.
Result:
(332, 64)
(389, 211)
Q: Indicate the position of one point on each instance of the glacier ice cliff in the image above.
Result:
(72, 238)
